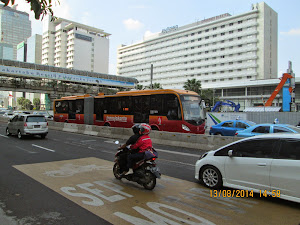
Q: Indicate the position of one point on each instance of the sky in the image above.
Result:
(128, 21)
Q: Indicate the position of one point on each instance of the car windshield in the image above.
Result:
(36, 119)
(250, 123)
(191, 108)
(294, 128)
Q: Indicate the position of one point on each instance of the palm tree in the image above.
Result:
(157, 86)
(139, 87)
(193, 85)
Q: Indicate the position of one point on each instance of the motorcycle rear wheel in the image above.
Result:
(151, 181)
(116, 171)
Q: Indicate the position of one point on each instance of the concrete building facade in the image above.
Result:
(15, 27)
(75, 46)
(218, 51)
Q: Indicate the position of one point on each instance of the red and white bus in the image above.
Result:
(164, 110)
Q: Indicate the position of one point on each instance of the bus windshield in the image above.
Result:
(191, 109)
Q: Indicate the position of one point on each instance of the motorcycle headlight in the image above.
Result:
(184, 127)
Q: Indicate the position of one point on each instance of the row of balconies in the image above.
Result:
(188, 37)
(165, 60)
(181, 48)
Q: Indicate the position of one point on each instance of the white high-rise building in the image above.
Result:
(15, 27)
(217, 51)
(75, 46)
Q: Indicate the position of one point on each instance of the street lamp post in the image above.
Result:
(151, 76)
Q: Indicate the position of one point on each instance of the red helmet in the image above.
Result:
(145, 128)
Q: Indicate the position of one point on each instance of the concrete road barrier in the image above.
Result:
(187, 140)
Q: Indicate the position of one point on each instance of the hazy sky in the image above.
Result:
(129, 20)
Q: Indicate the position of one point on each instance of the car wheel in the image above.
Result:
(218, 134)
(7, 132)
(20, 136)
(43, 136)
(211, 177)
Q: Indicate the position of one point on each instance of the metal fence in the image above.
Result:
(292, 118)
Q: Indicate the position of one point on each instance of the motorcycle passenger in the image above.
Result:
(133, 139)
(143, 144)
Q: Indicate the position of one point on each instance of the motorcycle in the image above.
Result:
(145, 171)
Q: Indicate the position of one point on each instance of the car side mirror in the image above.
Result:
(230, 153)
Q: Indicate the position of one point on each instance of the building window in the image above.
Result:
(241, 29)
(222, 26)
(239, 22)
(206, 30)
(222, 34)
(231, 24)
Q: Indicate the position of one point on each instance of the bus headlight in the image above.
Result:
(184, 127)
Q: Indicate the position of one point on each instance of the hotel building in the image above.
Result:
(75, 46)
(222, 52)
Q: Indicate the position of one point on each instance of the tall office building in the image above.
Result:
(75, 46)
(217, 51)
(15, 27)
(6, 51)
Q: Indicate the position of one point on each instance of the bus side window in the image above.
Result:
(79, 106)
(156, 106)
(171, 107)
(141, 109)
(99, 108)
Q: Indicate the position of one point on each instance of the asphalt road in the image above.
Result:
(67, 179)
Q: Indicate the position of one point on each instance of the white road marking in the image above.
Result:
(25, 150)
(3, 136)
(167, 151)
(178, 153)
(43, 148)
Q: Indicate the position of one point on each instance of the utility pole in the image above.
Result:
(151, 76)
(292, 86)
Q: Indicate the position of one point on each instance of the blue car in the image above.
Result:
(267, 128)
(230, 127)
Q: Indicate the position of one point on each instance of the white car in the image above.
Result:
(264, 164)
(8, 115)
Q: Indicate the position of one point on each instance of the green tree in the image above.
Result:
(157, 86)
(37, 103)
(20, 101)
(193, 85)
(139, 87)
(209, 97)
(39, 7)
(27, 104)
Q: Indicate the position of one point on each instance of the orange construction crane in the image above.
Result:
(284, 78)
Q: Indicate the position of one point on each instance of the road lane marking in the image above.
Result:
(25, 150)
(178, 153)
(167, 151)
(89, 182)
(43, 148)
(3, 136)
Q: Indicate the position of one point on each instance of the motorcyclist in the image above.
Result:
(133, 139)
(143, 144)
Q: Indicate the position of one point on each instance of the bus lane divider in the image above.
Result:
(89, 182)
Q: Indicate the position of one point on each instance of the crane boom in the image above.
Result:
(284, 78)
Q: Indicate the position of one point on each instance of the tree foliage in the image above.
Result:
(37, 103)
(39, 7)
(20, 101)
(193, 85)
(27, 104)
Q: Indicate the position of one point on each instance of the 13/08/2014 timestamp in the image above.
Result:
(243, 193)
